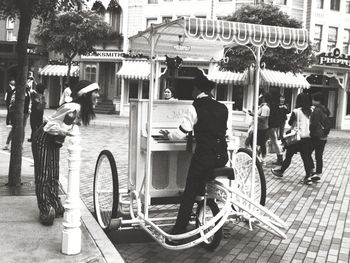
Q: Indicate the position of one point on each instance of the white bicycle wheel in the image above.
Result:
(105, 192)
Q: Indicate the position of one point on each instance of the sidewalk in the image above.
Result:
(24, 239)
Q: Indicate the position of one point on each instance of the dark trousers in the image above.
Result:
(281, 130)
(261, 141)
(318, 146)
(46, 154)
(36, 120)
(197, 177)
(305, 149)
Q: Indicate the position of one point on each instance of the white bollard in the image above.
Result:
(71, 233)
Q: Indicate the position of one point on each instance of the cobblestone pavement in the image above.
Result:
(318, 215)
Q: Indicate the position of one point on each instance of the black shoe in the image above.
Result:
(277, 172)
(47, 218)
(315, 178)
(307, 181)
(29, 140)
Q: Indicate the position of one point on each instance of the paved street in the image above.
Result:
(317, 215)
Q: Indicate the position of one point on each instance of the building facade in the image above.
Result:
(8, 60)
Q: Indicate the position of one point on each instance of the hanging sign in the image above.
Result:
(334, 58)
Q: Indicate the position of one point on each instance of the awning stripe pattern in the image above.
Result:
(281, 79)
(59, 70)
(135, 69)
(243, 33)
(227, 77)
(206, 39)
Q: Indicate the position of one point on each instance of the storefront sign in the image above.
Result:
(182, 48)
(103, 55)
(334, 57)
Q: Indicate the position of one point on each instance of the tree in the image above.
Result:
(73, 33)
(25, 10)
(285, 60)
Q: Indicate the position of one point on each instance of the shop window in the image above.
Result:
(221, 92)
(319, 4)
(237, 97)
(348, 104)
(332, 38)
(133, 89)
(347, 6)
(90, 72)
(151, 21)
(318, 37)
(335, 5)
(145, 89)
(346, 41)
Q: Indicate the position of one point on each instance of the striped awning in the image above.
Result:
(59, 70)
(281, 79)
(205, 38)
(227, 77)
(135, 69)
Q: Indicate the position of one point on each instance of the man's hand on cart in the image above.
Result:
(165, 133)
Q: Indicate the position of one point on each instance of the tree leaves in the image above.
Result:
(285, 60)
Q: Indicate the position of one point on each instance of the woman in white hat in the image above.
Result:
(48, 140)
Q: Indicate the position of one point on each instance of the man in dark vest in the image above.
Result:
(207, 118)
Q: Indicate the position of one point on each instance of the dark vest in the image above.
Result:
(26, 101)
(210, 129)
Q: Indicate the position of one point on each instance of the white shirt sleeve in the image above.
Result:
(188, 121)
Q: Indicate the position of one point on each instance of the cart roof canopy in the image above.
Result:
(207, 39)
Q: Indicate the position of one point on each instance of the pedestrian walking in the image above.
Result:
(208, 119)
(26, 112)
(37, 109)
(282, 112)
(263, 124)
(319, 130)
(66, 95)
(272, 132)
(300, 120)
(9, 117)
(46, 144)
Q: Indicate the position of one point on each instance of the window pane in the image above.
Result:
(319, 4)
(10, 23)
(335, 5)
(347, 7)
(237, 97)
(281, 2)
(221, 92)
(133, 89)
(318, 31)
(150, 21)
(145, 89)
(153, 1)
(9, 35)
(332, 33)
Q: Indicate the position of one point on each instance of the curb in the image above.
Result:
(107, 249)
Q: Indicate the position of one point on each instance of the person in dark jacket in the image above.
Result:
(8, 95)
(208, 119)
(272, 132)
(319, 129)
(38, 105)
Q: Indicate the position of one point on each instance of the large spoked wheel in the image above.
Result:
(243, 173)
(106, 189)
(204, 215)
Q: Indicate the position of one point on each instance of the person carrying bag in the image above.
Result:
(300, 121)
